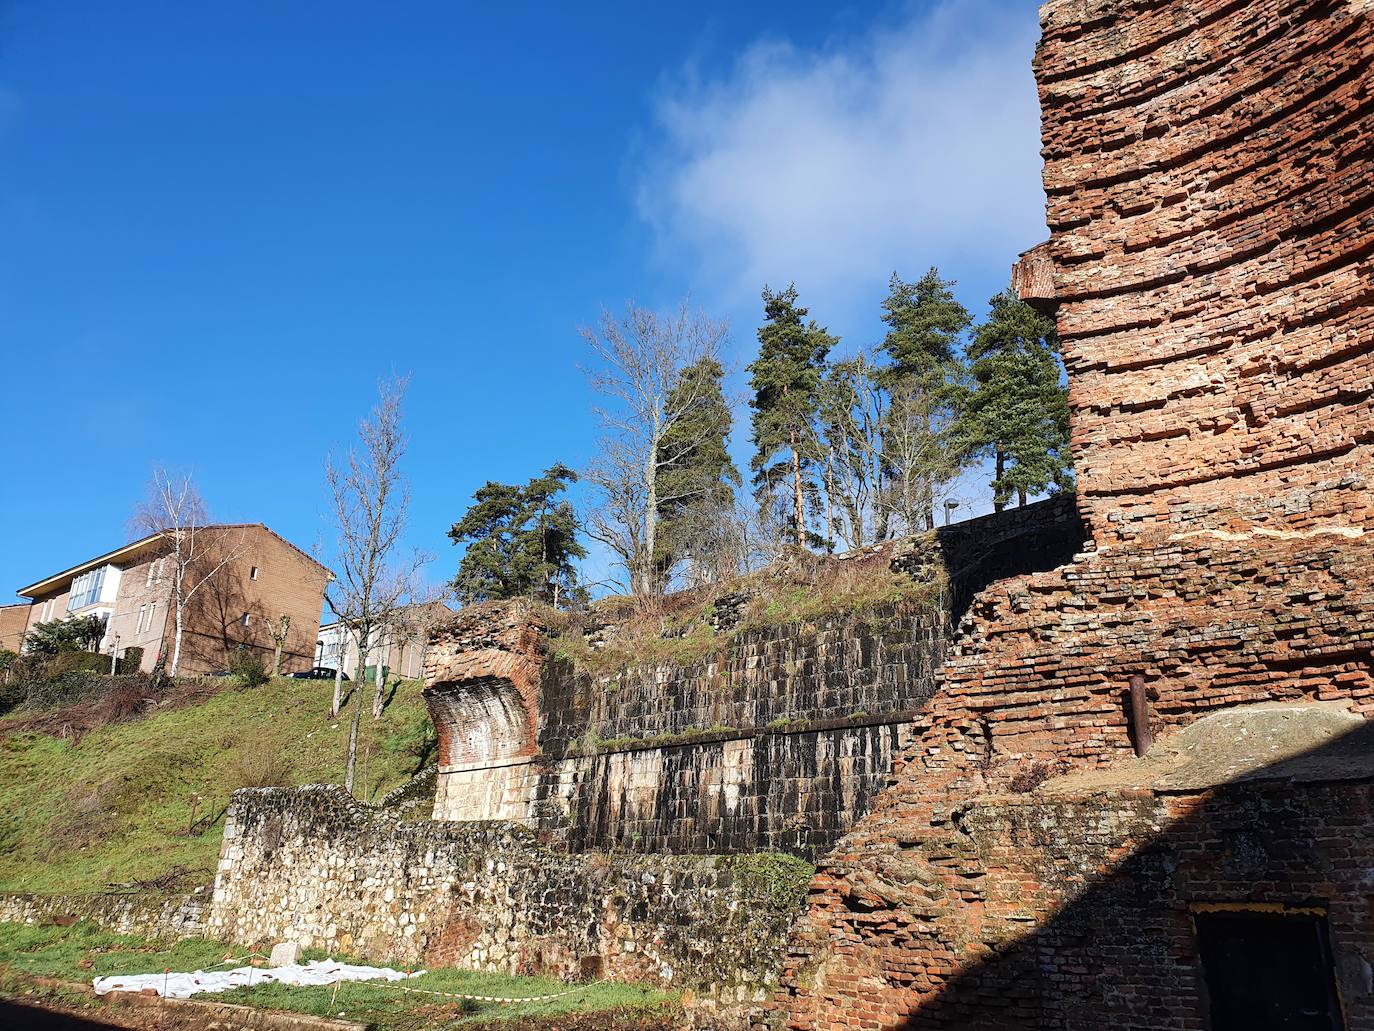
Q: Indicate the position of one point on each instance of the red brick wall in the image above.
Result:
(906, 912)
(1210, 182)
(482, 682)
(1210, 185)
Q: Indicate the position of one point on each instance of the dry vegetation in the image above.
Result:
(617, 632)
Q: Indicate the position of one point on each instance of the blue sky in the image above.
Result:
(221, 224)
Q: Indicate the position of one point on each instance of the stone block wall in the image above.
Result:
(778, 741)
(313, 865)
(1210, 186)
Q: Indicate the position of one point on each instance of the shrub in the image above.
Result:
(259, 764)
(131, 660)
(248, 668)
(73, 662)
(75, 633)
(123, 698)
(76, 685)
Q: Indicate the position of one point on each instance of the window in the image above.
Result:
(245, 619)
(1268, 969)
(152, 611)
(253, 573)
(142, 611)
(86, 589)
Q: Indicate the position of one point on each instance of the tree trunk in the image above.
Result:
(276, 660)
(338, 691)
(353, 743)
(830, 499)
(1021, 497)
(800, 511)
(352, 767)
(379, 679)
(928, 480)
(999, 499)
(176, 644)
(651, 517)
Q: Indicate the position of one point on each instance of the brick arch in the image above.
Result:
(482, 689)
(481, 721)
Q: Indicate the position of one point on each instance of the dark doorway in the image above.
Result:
(1268, 971)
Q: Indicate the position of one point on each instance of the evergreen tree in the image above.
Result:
(696, 477)
(521, 541)
(924, 382)
(786, 379)
(1018, 409)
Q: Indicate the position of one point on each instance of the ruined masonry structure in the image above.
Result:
(1210, 188)
(777, 739)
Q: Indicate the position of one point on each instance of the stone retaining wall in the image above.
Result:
(313, 865)
(149, 915)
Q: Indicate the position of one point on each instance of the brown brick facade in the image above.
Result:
(14, 623)
(262, 578)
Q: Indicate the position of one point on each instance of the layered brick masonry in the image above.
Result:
(1210, 186)
(912, 907)
(1208, 168)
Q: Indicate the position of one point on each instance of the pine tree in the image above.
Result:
(786, 379)
(697, 477)
(521, 541)
(924, 383)
(1018, 409)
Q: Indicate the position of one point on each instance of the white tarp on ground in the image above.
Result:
(183, 986)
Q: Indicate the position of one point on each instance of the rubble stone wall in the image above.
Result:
(314, 866)
(150, 915)
(1210, 187)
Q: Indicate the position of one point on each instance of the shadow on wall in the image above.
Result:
(1243, 906)
(1032, 539)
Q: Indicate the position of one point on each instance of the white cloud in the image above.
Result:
(913, 144)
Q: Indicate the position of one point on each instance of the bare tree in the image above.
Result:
(341, 653)
(641, 355)
(198, 551)
(370, 500)
(922, 461)
(412, 623)
(278, 632)
(853, 414)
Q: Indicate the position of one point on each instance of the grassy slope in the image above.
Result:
(59, 951)
(116, 805)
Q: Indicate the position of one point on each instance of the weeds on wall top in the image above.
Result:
(615, 634)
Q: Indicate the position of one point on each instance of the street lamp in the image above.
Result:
(950, 506)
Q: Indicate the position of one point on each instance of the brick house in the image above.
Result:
(401, 650)
(260, 578)
(14, 623)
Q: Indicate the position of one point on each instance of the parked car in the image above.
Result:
(318, 673)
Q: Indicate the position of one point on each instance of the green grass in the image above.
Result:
(136, 800)
(58, 952)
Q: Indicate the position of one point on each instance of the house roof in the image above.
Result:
(134, 547)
